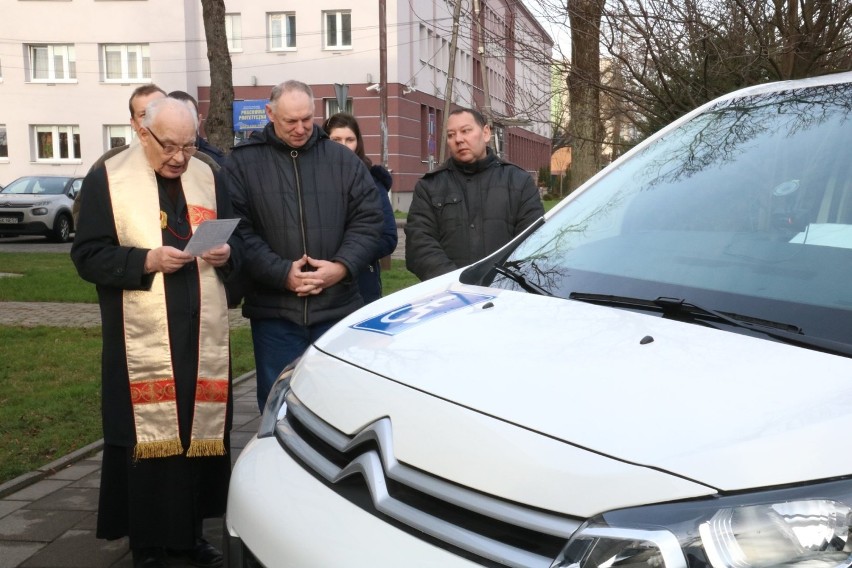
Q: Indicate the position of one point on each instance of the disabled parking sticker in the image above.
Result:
(404, 317)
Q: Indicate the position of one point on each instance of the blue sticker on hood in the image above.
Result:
(404, 317)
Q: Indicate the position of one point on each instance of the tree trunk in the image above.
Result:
(584, 89)
(219, 125)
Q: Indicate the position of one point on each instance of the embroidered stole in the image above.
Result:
(136, 211)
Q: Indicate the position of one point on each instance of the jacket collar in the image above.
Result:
(269, 137)
(475, 167)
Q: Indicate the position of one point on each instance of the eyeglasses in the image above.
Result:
(172, 149)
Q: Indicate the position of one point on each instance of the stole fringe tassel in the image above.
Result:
(166, 448)
(204, 448)
(158, 449)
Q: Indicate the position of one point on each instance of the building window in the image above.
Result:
(4, 144)
(234, 32)
(117, 135)
(282, 31)
(53, 62)
(499, 140)
(126, 62)
(332, 108)
(423, 46)
(338, 29)
(57, 143)
(430, 119)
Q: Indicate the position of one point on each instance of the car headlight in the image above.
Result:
(807, 527)
(275, 408)
(39, 211)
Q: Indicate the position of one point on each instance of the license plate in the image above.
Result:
(9, 220)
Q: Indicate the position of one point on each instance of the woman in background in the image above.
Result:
(343, 128)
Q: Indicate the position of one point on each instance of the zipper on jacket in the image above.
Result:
(294, 154)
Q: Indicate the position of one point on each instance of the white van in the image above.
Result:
(657, 374)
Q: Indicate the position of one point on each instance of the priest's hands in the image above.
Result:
(166, 259)
(218, 256)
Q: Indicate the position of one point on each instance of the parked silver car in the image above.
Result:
(39, 205)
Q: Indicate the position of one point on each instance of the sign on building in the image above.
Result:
(250, 115)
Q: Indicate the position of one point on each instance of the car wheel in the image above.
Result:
(61, 229)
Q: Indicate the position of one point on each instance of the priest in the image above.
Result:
(166, 377)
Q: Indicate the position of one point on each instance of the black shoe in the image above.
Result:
(204, 555)
(149, 558)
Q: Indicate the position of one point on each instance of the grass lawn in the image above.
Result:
(549, 204)
(50, 377)
(49, 395)
(47, 277)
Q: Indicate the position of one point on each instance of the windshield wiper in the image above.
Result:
(672, 306)
(515, 275)
(676, 307)
(679, 307)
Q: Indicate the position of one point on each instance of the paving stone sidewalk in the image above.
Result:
(48, 517)
(57, 314)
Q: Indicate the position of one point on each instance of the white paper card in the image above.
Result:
(209, 235)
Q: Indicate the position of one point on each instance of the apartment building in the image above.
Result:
(67, 68)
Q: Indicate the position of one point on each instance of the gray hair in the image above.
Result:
(289, 87)
(154, 107)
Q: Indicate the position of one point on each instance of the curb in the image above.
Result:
(27, 479)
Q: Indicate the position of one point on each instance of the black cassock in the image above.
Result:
(155, 501)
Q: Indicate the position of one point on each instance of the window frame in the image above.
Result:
(234, 32)
(68, 58)
(340, 30)
(4, 143)
(142, 62)
(113, 131)
(423, 44)
(331, 107)
(288, 31)
(56, 132)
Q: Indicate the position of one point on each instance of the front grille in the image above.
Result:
(363, 469)
(16, 204)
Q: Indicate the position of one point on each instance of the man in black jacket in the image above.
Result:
(470, 206)
(310, 217)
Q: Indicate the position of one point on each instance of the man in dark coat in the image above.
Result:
(310, 218)
(139, 99)
(470, 206)
(166, 384)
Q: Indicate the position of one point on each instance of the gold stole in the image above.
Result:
(136, 211)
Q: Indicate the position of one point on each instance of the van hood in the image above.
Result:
(720, 408)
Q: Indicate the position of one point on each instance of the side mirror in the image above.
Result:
(75, 189)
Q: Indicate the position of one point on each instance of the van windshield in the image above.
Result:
(746, 208)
